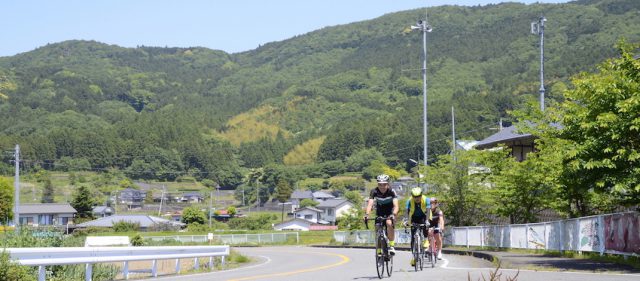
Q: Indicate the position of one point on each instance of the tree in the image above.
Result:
(463, 185)
(48, 191)
(83, 201)
(6, 201)
(600, 117)
(308, 203)
(192, 215)
(354, 197)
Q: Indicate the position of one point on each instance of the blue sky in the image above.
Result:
(230, 25)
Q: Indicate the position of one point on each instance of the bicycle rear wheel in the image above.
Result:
(432, 253)
(389, 264)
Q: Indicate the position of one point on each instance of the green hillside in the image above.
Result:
(159, 113)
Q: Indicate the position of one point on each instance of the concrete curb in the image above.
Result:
(475, 254)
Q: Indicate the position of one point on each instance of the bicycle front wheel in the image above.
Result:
(415, 250)
(380, 258)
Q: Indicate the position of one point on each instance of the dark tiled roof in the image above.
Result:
(332, 203)
(507, 134)
(143, 220)
(301, 194)
(46, 208)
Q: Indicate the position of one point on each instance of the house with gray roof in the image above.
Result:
(102, 211)
(298, 195)
(333, 209)
(311, 214)
(133, 198)
(46, 214)
(322, 196)
(146, 222)
(520, 144)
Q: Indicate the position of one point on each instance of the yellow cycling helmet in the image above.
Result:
(416, 191)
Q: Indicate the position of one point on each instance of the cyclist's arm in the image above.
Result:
(408, 215)
(395, 207)
(369, 207)
(441, 221)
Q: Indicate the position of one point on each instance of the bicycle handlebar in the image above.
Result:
(366, 219)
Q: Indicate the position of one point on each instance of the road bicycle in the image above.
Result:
(384, 260)
(417, 250)
(431, 253)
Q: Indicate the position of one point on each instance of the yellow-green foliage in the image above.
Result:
(254, 125)
(394, 174)
(305, 153)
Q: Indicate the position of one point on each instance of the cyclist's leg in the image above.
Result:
(391, 236)
(438, 240)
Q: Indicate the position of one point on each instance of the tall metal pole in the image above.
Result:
(538, 29)
(424, 27)
(210, 206)
(16, 187)
(424, 98)
(453, 132)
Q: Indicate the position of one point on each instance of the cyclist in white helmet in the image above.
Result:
(437, 221)
(386, 206)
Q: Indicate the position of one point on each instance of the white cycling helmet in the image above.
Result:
(382, 178)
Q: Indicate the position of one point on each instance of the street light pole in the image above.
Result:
(537, 28)
(424, 27)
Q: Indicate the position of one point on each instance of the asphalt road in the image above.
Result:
(306, 263)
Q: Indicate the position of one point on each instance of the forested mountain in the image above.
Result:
(318, 98)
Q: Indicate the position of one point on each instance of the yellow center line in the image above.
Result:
(344, 260)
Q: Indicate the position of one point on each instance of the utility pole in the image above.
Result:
(537, 28)
(424, 27)
(210, 206)
(453, 133)
(16, 187)
(161, 200)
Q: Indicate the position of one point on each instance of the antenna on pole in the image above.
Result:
(16, 186)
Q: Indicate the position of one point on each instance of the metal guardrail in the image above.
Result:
(42, 257)
(617, 233)
(233, 239)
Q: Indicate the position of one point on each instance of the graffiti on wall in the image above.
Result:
(622, 232)
(536, 240)
(589, 239)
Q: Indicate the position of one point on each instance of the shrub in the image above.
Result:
(125, 226)
(137, 240)
(13, 271)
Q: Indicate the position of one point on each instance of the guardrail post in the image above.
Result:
(222, 261)
(154, 268)
(125, 270)
(526, 236)
(210, 263)
(42, 273)
(600, 232)
(577, 237)
(546, 236)
(196, 264)
(177, 266)
(297, 238)
(88, 272)
(467, 237)
(561, 234)
(481, 237)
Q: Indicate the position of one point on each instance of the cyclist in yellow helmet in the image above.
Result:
(418, 211)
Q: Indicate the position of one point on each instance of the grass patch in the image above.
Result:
(633, 261)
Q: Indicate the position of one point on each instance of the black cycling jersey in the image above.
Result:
(384, 201)
(435, 217)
